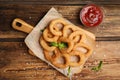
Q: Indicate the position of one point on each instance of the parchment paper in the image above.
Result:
(32, 40)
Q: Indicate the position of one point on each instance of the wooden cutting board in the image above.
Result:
(32, 40)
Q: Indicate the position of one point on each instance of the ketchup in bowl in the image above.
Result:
(91, 15)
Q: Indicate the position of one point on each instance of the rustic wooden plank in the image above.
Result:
(33, 13)
(61, 2)
(17, 64)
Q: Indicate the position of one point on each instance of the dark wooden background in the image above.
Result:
(17, 64)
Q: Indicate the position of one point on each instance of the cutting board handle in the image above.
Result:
(21, 25)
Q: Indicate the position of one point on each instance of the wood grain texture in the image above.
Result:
(60, 2)
(17, 64)
(33, 13)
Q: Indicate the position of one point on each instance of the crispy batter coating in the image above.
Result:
(88, 48)
(53, 25)
(48, 36)
(58, 54)
(65, 62)
(50, 55)
(69, 42)
(68, 29)
(82, 36)
(46, 46)
(80, 57)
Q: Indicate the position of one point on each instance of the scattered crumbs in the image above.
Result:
(103, 27)
(94, 52)
(32, 75)
(30, 17)
(24, 69)
(24, 53)
(76, 77)
(4, 71)
(80, 75)
(104, 55)
(97, 46)
(21, 45)
(95, 62)
(27, 63)
(54, 73)
(97, 30)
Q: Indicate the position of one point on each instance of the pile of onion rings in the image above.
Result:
(57, 32)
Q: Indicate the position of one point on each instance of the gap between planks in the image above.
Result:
(16, 63)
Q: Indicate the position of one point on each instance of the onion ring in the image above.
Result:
(48, 36)
(66, 28)
(78, 33)
(80, 56)
(52, 26)
(62, 45)
(69, 28)
(89, 49)
(45, 45)
(69, 42)
(61, 65)
(51, 55)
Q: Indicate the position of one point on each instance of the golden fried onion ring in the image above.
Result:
(52, 26)
(48, 36)
(80, 57)
(88, 48)
(68, 29)
(69, 42)
(73, 55)
(78, 33)
(50, 55)
(45, 45)
(61, 65)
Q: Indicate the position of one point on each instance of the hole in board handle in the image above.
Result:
(18, 24)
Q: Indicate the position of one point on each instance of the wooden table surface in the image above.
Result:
(17, 64)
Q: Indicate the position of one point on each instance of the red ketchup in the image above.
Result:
(91, 15)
